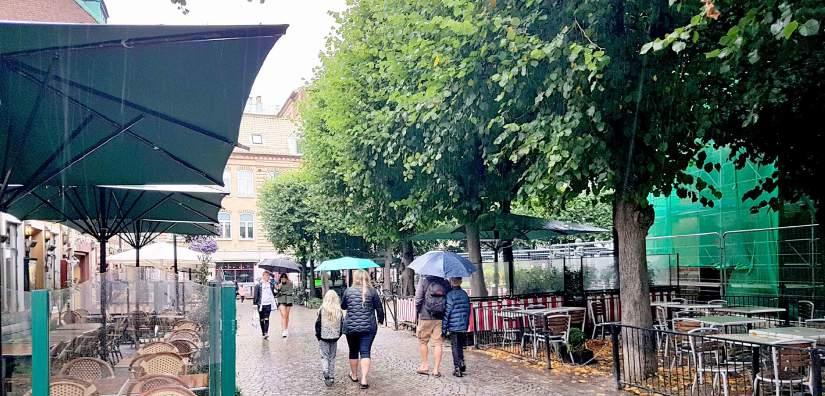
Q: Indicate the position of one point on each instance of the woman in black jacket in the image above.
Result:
(364, 313)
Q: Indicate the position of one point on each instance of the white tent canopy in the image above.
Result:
(158, 255)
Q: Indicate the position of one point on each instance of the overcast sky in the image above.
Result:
(291, 60)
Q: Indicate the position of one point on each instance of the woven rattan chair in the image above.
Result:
(68, 386)
(185, 325)
(88, 369)
(169, 391)
(82, 312)
(162, 363)
(156, 347)
(186, 349)
(188, 335)
(69, 317)
(153, 381)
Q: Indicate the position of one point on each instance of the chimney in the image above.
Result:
(259, 105)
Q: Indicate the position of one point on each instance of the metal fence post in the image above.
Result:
(228, 328)
(816, 372)
(40, 342)
(617, 372)
(214, 334)
(476, 331)
(395, 312)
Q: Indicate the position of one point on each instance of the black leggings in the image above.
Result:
(264, 316)
(360, 344)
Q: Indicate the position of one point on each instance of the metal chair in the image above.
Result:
(702, 350)
(556, 329)
(805, 309)
(598, 315)
(88, 369)
(511, 323)
(69, 386)
(577, 318)
(815, 323)
(678, 300)
(789, 365)
(661, 324)
(170, 391)
(681, 343)
(162, 363)
(156, 347)
(141, 326)
(154, 381)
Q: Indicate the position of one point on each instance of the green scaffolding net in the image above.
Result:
(723, 244)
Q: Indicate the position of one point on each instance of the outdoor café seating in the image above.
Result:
(170, 391)
(161, 363)
(156, 347)
(65, 386)
(555, 332)
(787, 366)
(598, 316)
(154, 381)
(185, 348)
(88, 369)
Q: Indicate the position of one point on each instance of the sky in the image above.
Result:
(294, 56)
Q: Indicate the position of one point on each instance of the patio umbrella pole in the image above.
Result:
(175, 266)
(103, 293)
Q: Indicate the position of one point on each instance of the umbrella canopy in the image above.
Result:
(346, 263)
(158, 255)
(442, 264)
(279, 264)
(510, 226)
(114, 209)
(117, 104)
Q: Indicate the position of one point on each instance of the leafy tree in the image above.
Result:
(206, 247)
(765, 60)
(585, 208)
(577, 93)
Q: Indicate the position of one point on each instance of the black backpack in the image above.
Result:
(435, 300)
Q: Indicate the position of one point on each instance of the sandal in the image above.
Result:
(365, 386)
(436, 374)
(352, 378)
(423, 372)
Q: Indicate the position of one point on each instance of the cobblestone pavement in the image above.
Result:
(292, 366)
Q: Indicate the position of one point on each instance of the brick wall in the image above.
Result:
(44, 11)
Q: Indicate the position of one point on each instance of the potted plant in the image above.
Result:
(578, 348)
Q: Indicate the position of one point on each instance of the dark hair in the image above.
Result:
(283, 275)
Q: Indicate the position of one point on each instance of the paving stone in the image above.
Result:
(292, 366)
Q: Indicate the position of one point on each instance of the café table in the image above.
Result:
(750, 310)
(725, 321)
(793, 333)
(77, 328)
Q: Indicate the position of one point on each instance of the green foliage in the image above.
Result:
(584, 208)
(765, 68)
(576, 340)
(288, 218)
(538, 280)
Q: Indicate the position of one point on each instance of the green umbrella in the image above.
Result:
(495, 226)
(346, 263)
(116, 104)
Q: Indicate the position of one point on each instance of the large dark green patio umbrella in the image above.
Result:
(115, 104)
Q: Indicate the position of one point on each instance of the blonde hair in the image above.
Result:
(331, 307)
(361, 278)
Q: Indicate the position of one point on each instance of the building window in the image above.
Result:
(227, 180)
(294, 143)
(246, 185)
(247, 226)
(257, 139)
(225, 226)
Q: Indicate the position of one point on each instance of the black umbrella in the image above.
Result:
(279, 265)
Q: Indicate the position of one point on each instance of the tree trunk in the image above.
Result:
(507, 255)
(387, 264)
(479, 288)
(324, 282)
(632, 222)
(312, 277)
(408, 275)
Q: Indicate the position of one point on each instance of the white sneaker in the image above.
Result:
(284, 333)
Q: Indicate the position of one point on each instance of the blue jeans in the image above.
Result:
(360, 345)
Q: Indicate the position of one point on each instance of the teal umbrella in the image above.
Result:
(117, 104)
(346, 263)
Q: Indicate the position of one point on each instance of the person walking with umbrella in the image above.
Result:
(264, 299)
(431, 301)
